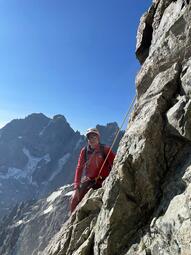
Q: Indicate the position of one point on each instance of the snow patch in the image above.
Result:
(69, 194)
(49, 209)
(33, 162)
(61, 162)
(26, 173)
(44, 128)
(53, 196)
(14, 173)
(18, 223)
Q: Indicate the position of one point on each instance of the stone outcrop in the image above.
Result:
(144, 207)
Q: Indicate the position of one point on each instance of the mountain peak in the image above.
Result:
(36, 116)
(59, 117)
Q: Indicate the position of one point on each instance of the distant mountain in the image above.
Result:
(39, 154)
(31, 225)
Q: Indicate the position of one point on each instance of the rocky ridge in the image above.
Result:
(30, 225)
(144, 207)
(39, 154)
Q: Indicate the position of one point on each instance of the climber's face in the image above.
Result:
(93, 139)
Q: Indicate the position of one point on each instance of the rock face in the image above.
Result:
(144, 208)
(38, 155)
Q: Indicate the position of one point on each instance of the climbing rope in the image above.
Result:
(115, 138)
(187, 45)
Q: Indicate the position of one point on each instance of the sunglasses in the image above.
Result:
(92, 136)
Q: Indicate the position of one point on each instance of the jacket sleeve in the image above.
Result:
(79, 169)
(111, 155)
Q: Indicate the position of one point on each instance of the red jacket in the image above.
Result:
(92, 166)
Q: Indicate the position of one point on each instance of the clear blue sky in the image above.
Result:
(70, 57)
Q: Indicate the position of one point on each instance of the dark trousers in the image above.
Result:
(83, 189)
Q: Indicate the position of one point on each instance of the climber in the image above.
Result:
(93, 165)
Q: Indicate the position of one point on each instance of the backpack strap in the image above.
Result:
(102, 150)
(85, 154)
